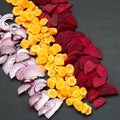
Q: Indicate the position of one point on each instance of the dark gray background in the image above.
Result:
(100, 21)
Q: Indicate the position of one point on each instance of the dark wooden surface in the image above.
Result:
(100, 21)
